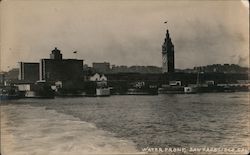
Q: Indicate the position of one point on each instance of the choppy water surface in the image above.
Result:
(122, 124)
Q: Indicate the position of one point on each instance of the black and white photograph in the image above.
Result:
(124, 77)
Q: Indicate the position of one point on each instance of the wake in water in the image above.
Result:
(34, 130)
(124, 124)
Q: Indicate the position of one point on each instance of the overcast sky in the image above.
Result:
(125, 32)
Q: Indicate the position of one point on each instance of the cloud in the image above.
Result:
(124, 32)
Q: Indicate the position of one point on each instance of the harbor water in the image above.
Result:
(124, 124)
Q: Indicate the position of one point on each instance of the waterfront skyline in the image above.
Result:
(125, 32)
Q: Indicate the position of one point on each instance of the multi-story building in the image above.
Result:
(28, 71)
(58, 69)
(101, 67)
(168, 55)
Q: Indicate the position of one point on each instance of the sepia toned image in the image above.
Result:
(124, 77)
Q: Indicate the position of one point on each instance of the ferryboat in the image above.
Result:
(141, 88)
(40, 89)
(174, 87)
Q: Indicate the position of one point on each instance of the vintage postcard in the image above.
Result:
(160, 77)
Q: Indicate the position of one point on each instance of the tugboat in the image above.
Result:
(190, 89)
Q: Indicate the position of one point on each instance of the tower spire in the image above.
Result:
(167, 54)
(167, 34)
(56, 54)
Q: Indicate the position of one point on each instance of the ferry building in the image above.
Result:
(167, 55)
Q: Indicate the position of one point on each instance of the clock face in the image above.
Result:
(164, 59)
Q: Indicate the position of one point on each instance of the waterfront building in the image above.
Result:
(2, 79)
(98, 77)
(222, 68)
(58, 69)
(135, 69)
(95, 77)
(28, 71)
(101, 85)
(168, 55)
(101, 67)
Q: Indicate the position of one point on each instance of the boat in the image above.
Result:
(190, 90)
(140, 88)
(34, 94)
(136, 91)
(174, 87)
(168, 89)
(9, 93)
(39, 89)
(103, 91)
(69, 93)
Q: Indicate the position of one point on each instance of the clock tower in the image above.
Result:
(167, 55)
